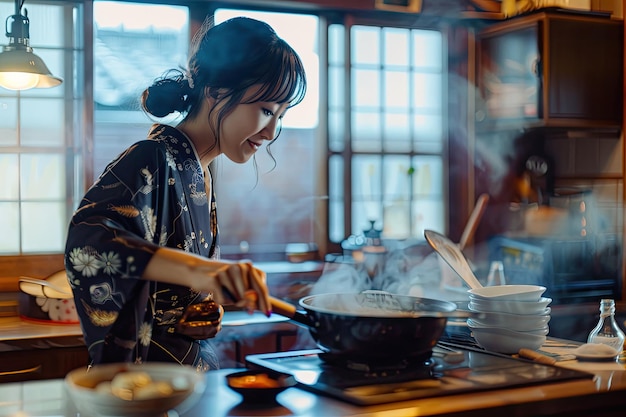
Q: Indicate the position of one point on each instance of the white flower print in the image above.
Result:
(149, 222)
(145, 333)
(171, 162)
(111, 263)
(85, 261)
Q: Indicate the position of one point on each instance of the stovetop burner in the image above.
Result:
(379, 366)
(366, 385)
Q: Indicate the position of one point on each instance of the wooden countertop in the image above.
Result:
(603, 395)
(18, 334)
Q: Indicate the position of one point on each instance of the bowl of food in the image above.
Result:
(259, 386)
(134, 390)
(508, 292)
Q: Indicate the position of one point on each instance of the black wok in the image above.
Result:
(372, 325)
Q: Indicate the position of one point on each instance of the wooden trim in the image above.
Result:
(35, 266)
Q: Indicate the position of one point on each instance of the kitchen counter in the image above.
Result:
(604, 395)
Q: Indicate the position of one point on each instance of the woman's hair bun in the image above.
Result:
(166, 96)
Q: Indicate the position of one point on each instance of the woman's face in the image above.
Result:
(244, 130)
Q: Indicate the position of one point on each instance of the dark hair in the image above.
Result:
(230, 57)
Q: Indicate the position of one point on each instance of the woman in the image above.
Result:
(142, 248)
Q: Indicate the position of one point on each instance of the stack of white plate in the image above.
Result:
(511, 317)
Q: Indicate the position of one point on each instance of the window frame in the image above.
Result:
(78, 144)
(349, 20)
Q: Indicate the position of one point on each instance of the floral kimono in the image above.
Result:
(152, 195)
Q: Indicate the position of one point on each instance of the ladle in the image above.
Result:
(450, 252)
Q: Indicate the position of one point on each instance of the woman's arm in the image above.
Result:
(239, 281)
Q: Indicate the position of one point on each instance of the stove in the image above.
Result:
(452, 369)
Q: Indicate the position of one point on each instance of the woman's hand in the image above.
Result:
(244, 285)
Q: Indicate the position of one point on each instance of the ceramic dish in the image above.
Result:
(513, 307)
(508, 292)
(259, 386)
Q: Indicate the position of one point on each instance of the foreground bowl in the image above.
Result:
(517, 322)
(91, 392)
(508, 292)
(259, 386)
(506, 341)
(512, 307)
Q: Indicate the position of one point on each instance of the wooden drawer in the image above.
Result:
(34, 364)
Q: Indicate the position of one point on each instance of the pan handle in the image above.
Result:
(289, 310)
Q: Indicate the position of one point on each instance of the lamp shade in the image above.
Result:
(21, 69)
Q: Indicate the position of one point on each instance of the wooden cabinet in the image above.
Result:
(550, 69)
(34, 364)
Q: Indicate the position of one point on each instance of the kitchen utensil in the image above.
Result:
(372, 325)
(474, 219)
(453, 256)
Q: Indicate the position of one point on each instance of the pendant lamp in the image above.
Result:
(20, 68)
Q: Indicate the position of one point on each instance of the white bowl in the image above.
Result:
(91, 397)
(517, 322)
(541, 330)
(508, 292)
(506, 341)
(514, 307)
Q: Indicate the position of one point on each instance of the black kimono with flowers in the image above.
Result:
(152, 195)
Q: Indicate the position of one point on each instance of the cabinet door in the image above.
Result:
(508, 81)
(584, 70)
(551, 70)
(35, 364)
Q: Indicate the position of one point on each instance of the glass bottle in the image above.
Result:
(607, 331)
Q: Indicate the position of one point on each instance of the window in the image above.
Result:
(41, 134)
(386, 135)
(133, 45)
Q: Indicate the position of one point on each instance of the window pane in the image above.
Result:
(43, 122)
(427, 92)
(365, 45)
(366, 132)
(9, 224)
(336, 86)
(336, 219)
(397, 132)
(396, 89)
(428, 204)
(8, 121)
(427, 131)
(366, 88)
(336, 49)
(44, 28)
(43, 233)
(9, 177)
(366, 190)
(336, 130)
(42, 177)
(428, 49)
(396, 43)
(396, 200)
